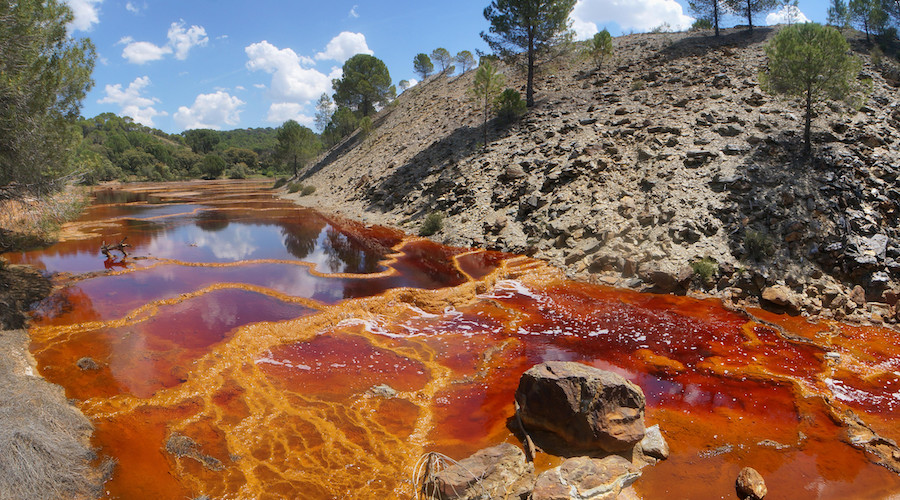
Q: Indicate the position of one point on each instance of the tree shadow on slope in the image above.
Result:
(698, 45)
(441, 158)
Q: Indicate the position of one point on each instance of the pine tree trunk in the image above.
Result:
(750, 15)
(716, 15)
(808, 126)
(529, 86)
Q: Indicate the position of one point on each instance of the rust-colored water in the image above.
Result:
(265, 333)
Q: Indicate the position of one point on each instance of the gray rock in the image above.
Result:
(496, 472)
(586, 478)
(654, 444)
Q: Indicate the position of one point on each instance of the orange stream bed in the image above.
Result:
(266, 359)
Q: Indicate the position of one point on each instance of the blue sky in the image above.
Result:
(228, 64)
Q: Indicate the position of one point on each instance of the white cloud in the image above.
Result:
(134, 8)
(240, 87)
(353, 13)
(210, 111)
(281, 112)
(344, 46)
(788, 13)
(259, 85)
(132, 103)
(639, 15)
(144, 52)
(291, 82)
(182, 40)
(86, 14)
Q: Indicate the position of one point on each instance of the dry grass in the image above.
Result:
(29, 221)
(43, 439)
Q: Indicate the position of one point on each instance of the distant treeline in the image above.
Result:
(116, 148)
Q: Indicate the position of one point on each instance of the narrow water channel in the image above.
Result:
(247, 348)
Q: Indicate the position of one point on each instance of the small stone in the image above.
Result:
(383, 391)
(750, 485)
(654, 444)
(87, 363)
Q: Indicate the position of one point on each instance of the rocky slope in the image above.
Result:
(668, 155)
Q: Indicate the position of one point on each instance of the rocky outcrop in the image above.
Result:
(586, 478)
(497, 472)
(575, 408)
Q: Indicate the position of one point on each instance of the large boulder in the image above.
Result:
(496, 472)
(586, 479)
(578, 409)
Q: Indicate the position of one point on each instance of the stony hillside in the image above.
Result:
(668, 155)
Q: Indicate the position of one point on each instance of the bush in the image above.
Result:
(294, 187)
(280, 182)
(212, 166)
(701, 24)
(637, 85)
(307, 190)
(510, 106)
(433, 223)
(705, 268)
(757, 245)
(365, 126)
(239, 171)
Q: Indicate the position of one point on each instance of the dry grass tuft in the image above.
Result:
(29, 221)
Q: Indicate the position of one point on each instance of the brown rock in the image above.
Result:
(666, 278)
(858, 295)
(574, 407)
(750, 485)
(586, 478)
(781, 296)
(497, 472)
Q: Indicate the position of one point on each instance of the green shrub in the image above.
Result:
(705, 268)
(510, 106)
(701, 24)
(758, 245)
(239, 171)
(637, 85)
(280, 182)
(433, 223)
(294, 187)
(307, 190)
(365, 126)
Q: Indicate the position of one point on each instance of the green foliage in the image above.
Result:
(44, 76)
(404, 85)
(599, 48)
(748, 9)
(296, 145)
(307, 190)
(442, 57)
(294, 187)
(422, 65)
(663, 28)
(532, 26)
(812, 63)
(201, 141)
(705, 268)
(510, 106)
(701, 25)
(839, 14)
(638, 84)
(212, 166)
(758, 246)
(869, 15)
(280, 182)
(324, 110)
(234, 156)
(485, 90)
(366, 84)
(342, 124)
(433, 223)
(465, 60)
(365, 126)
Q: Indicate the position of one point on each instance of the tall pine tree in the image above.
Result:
(711, 10)
(748, 9)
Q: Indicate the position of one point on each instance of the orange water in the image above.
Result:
(259, 330)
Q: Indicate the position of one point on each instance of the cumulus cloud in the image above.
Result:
(183, 40)
(210, 111)
(291, 81)
(180, 41)
(132, 103)
(789, 14)
(144, 52)
(344, 46)
(639, 15)
(281, 112)
(86, 14)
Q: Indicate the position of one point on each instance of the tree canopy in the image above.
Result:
(366, 84)
(838, 14)
(710, 10)
(422, 65)
(600, 47)
(296, 144)
(532, 26)
(44, 76)
(442, 57)
(748, 9)
(869, 15)
(466, 61)
(485, 90)
(814, 64)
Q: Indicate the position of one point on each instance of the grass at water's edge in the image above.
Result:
(29, 221)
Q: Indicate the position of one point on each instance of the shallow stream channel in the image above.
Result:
(249, 348)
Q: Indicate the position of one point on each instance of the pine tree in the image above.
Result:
(442, 57)
(422, 65)
(466, 61)
(530, 25)
(868, 15)
(811, 63)
(600, 47)
(838, 14)
(487, 86)
(711, 10)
